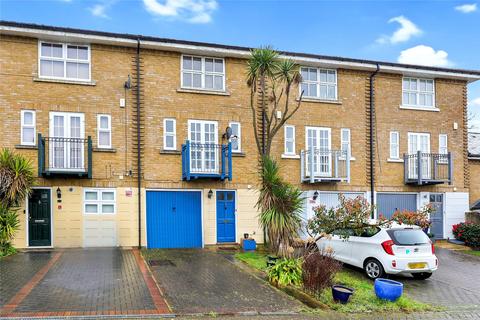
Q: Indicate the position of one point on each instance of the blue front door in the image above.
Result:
(225, 216)
(174, 219)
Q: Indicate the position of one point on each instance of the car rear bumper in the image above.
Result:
(396, 265)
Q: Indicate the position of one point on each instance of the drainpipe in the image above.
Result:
(139, 164)
(372, 123)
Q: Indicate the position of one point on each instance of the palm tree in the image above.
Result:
(16, 178)
(280, 204)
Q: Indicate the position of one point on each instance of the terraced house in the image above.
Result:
(148, 141)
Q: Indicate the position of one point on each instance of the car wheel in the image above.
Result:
(374, 269)
(422, 275)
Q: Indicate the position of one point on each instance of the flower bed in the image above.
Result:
(468, 233)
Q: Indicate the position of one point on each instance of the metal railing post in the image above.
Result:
(222, 174)
(348, 164)
(450, 168)
(336, 154)
(302, 166)
(230, 165)
(406, 168)
(419, 167)
(311, 165)
(187, 159)
(89, 152)
(41, 154)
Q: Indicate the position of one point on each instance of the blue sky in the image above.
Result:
(442, 33)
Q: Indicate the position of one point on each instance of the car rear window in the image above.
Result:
(408, 237)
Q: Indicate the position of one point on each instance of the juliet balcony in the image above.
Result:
(64, 157)
(428, 168)
(206, 161)
(325, 166)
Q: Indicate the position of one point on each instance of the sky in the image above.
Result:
(435, 32)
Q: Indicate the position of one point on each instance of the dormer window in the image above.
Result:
(64, 61)
(418, 92)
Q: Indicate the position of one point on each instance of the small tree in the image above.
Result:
(271, 81)
(280, 204)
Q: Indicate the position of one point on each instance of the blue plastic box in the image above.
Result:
(249, 244)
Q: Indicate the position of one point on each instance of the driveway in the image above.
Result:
(78, 282)
(456, 283)
(200, 281)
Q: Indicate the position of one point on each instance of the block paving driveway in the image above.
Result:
(94, 282)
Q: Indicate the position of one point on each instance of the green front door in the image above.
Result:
(39, 218)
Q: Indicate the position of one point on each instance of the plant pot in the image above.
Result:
(341, 293)
(388, 289)
(271, 260)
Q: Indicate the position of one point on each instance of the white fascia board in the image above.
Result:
(422, 73)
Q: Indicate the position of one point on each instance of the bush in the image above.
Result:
(9, 225)
(285, 272)
(318, 271)
(467, 232)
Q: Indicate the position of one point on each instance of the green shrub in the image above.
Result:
(9, 225)
(285, 272)
(468, 232)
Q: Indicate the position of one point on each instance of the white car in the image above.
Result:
(379, 251)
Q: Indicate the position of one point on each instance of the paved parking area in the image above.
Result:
(456, 283)
(80, 282)
(200, 281)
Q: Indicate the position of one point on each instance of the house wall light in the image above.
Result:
(59, 193)
(315, 195)
(210, 194)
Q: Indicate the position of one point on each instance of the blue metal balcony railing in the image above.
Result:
(212, 161)
(318, 165)
(64, 157)
(428, 168)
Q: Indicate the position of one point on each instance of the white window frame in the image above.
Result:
(395, 156)
(239, 136)
(203, 73)
(318, 159)
(318, 83)
(65, 59)
(23, 125)
(426, 167)
(109, 130)
(170, 134)
(99, 202)
(349, 141)
(418, 92)
(286, 140)
(443, 150)
(203, 157)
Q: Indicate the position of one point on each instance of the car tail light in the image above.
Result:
(433, 249)
(387, 246)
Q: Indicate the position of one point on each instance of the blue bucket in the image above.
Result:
(388, 289)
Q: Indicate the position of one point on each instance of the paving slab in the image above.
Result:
(200, 281)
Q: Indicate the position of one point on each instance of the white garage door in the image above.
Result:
(99, 218)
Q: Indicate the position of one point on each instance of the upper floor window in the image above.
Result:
(418, 92)
(64, 61)
(289, 140)
(319, 83)
(169, 134)
(345, 141)
(104, 123)
(203, 73)
(394, 145)
(236, 138)
(27, 133)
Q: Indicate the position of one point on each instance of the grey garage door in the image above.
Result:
(388, 203)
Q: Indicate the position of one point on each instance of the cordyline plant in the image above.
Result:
(271, 81)
(353, 216)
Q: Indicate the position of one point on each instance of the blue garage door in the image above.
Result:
(174, 219)
(388, 203)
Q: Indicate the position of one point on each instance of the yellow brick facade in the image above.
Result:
(163, 98)
(474, 166)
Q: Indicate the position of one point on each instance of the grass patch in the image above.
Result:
(364, 298)
(472, 252)
(253, 259)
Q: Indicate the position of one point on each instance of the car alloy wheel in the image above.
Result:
(373, 269)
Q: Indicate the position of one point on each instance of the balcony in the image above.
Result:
(428, 168)
(325, 166)
(64, 157)
(206, 161)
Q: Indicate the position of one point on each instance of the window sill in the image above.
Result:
(170, 152)
(351, 158)
(315, 100)
(84, 83)
(111, 150)
(238, 154)
(203, 91)
(25, 146)
(395, 160)
(432, 109)
(290, 156)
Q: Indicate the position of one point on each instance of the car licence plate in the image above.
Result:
(418, 265)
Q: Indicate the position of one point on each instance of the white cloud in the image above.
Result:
(467, 8)
(474, 102)
(193, 11)
(424, 55)
(100, 9)
(407, 30)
